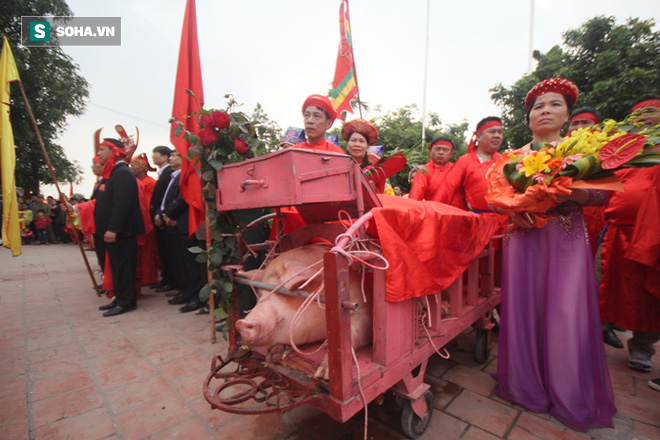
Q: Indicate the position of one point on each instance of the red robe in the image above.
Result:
(469, 176)
(321, 145)
(426, 186)
(147, 269)
(629, 294)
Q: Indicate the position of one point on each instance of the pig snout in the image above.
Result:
(249, 330)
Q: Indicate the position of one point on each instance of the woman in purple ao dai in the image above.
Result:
(551, 356)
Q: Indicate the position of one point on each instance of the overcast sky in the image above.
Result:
(277, 52)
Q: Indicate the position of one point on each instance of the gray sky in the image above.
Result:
(276, 52)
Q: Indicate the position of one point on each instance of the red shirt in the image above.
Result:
(321, 145)
(469, 176)
(426, 186)
(42, 222)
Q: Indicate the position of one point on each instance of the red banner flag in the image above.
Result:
(189, 77)
(344, 86)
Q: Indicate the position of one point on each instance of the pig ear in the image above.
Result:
(254, 275)
(292, 278)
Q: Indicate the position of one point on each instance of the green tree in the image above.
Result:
(53, 87)
(613, 65)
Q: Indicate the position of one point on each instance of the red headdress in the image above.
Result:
(444, 142)
(472, 146)
(553, 85)
(142, 161)
(124, 152)
(322, 102)
(646, 103)
(365, 128)
(586, 115)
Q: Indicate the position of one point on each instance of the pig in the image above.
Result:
(268, 323)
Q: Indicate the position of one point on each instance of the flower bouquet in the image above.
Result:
(530, 180)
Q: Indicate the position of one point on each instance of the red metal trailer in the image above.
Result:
(405, 334)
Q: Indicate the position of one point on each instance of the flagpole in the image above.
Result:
(530, 50)
(426, 63)
(57, 186)
(357, 96)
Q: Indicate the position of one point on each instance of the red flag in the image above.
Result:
(71, 189)
(344, 86)
(189, 77)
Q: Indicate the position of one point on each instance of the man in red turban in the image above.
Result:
(319, 115)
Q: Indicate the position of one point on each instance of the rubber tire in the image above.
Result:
(411, 424)
(481, 348)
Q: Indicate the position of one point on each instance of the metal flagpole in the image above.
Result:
(530, 50)
(426, 62)
(57, 186)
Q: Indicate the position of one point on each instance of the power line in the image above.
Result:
(146, 121)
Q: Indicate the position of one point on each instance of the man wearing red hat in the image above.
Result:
(629, 292)
(468, 176)
(147, 271)
(119, 220)
(427, 185)
(319, 115)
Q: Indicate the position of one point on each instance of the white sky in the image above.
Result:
(277, 52)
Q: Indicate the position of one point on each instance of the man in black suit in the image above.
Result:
(160, 157)
(119, 221)
(174, 214)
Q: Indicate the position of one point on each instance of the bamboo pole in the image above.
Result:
(57, 186)
(209, 274)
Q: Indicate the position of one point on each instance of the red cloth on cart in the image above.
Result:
(427, 244)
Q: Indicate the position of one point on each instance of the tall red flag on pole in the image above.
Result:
(344, 86)
(185, 109)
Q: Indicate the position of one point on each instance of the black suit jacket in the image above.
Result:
(117, 204)
(159, 190)
(176, 207)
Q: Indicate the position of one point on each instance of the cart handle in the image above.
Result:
(263, 182)
(345, 237)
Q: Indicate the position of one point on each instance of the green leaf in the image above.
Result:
(178, 130)
(205, 293)
(216, 164)
(228, 286)
(201, 258)
(195, 249)
(220, 313)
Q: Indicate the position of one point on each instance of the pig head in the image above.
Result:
(269, 322)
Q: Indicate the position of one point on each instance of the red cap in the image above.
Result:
(361, 126)
(322, 102)
(553, 85)
(647, 103)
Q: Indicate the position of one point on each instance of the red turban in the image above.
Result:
(322, 102)
(647, 103)
(365, 128)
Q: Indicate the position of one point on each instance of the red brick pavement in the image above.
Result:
(66, 372)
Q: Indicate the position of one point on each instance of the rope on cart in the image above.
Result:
(364, 401)
(426, 330)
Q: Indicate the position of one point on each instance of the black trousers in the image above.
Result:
(123, 261)
(186, 270)
(99, 249)
(167, 271)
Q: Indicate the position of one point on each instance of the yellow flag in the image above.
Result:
(11, 233)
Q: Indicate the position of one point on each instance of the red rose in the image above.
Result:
(207, 121)
(240, 146)
(208, 136)
(221, 120)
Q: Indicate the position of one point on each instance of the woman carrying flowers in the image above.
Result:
(551, 356)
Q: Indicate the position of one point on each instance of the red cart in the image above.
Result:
(405, 334)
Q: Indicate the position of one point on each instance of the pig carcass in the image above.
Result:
(268, 323)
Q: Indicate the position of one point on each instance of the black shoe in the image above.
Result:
(177, 300)
(190, 307)
(164, 288)
(107, 306)
(118, 310)
(610, 338)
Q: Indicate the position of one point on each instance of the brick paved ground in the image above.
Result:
(66, 372)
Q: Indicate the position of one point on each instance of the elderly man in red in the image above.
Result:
(468, 176)
(629, 292)
(319, 115)
(426, 185)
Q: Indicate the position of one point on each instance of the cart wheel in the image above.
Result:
(481, 348)
(411, 424)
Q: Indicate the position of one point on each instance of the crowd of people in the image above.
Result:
(551, 356)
